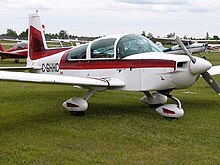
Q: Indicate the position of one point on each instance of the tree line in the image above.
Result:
(172, 35)
(62, 34)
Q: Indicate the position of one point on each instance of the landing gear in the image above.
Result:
(171, 110)
(77, 106)
(167, 110)
(16, 61)
(154, 99)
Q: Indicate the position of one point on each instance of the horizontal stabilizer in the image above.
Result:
(21, 53)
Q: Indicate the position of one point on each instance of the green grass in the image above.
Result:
(117, 128)
(6, 47)
(10, 63)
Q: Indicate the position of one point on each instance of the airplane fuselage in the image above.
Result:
(141, 72)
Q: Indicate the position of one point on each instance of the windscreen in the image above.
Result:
(135, 44)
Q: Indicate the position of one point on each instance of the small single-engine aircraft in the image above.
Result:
(18, 51)
(213, 48)
(71, 41)
(192, 47)
(125, 62)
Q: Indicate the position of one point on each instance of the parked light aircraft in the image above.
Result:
(18, 51)
(192, 47)
(125, 62)
(213, 48)
(76, 41)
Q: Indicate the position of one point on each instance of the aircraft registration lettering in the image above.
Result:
(50, 67)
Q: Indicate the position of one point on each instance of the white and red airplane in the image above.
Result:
(125, 62)
(18, 51)
(193, 47)
(213, 48)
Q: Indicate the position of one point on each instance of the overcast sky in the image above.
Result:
(102, 17)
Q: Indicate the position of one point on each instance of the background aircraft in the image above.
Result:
(76, 41)
(213, 48)
(125, 62)
(18, 51)
(192, 47)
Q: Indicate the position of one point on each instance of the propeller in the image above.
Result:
(185, 49)
(207, 77)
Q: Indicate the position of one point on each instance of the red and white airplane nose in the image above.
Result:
(200, 66)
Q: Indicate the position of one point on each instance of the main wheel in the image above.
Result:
(77, 113)
(16, 61)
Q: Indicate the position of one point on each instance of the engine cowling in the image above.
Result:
(170, 110)
(76, 104)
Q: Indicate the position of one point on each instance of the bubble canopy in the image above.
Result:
(114, 47)
(135, 44)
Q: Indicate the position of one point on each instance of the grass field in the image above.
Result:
(117, 128)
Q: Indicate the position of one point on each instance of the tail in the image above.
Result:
(37, 47)
(1, 48)
(36, 39)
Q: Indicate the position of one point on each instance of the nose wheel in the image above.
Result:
(171, 110)
(175, 99)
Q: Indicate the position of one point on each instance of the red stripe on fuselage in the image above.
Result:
(115, 64)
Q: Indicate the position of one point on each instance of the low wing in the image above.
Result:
(59, 79)
(173, 41)
(209, 41)
(215, 70)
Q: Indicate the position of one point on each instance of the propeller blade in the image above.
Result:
(185, 49)
(207, 77)
(212, 83)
